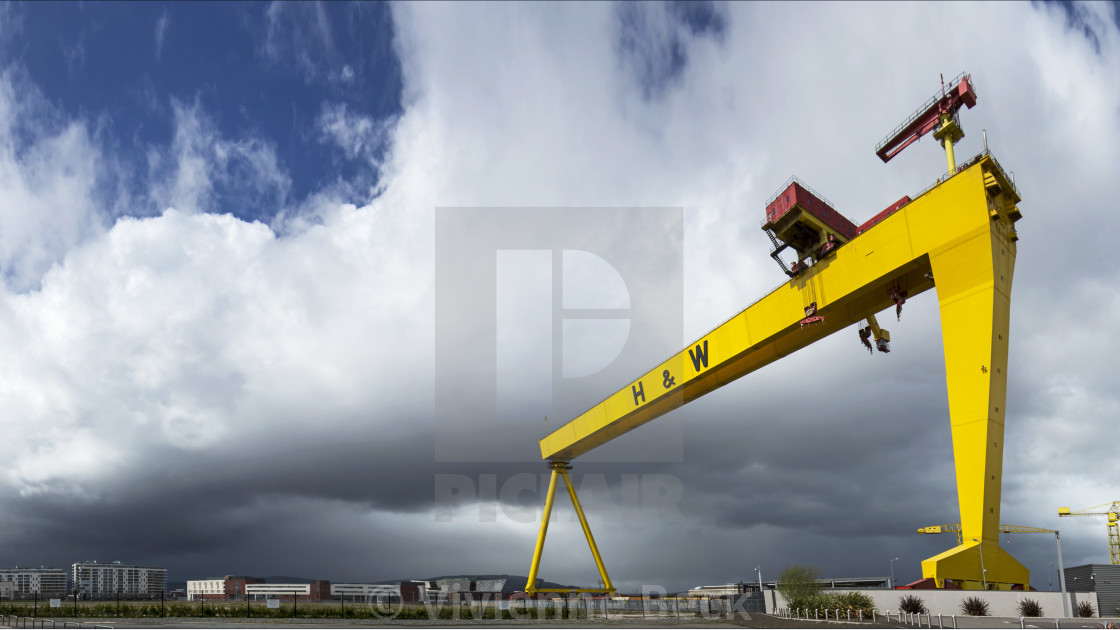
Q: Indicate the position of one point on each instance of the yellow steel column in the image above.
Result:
(531, 583)
(949, 154)
(587, 531)
(973, 279)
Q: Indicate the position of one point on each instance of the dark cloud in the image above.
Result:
(203, 393)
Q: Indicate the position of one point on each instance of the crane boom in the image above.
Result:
(935, 112)
(858, 280)
(955, 528)
(1110, 511)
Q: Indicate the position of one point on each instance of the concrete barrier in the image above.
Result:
(946, 602)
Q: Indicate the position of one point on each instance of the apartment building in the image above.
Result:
(103, 579)
(27, 581)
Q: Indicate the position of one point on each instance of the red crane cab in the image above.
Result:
(802, 219)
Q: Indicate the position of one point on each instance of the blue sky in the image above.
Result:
(253, 70)
(218, 263)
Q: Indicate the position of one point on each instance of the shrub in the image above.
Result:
(855, 602)
(798, 584)
(844, 602)
(1085, 609)
(975, 606)
(1029, 608)
(912, 604)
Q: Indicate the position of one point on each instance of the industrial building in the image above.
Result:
(1102, 579)
(96, 579)
(27, 581)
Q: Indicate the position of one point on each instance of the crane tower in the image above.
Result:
(957, 236)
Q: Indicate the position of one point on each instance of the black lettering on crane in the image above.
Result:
(699, 356)
(639, 392)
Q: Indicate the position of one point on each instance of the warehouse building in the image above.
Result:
(28, 582)
(94, 580)
(1102, 579)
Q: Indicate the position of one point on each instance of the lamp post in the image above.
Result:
(1062, 574)
(759, 570)
(983, 571)
(892, 572)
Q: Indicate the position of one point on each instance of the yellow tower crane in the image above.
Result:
(1112, 512)
(955, 528)
(957, 235)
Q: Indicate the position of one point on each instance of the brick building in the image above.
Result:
(235, 585)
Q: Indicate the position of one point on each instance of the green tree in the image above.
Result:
(799, 585)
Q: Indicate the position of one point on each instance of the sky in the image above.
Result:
(238, 326)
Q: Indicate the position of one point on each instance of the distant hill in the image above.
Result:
(514, 583)
(285, 579)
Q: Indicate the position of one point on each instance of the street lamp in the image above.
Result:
(1062, 574)
(759, 569)
(892, 572)
(983, 571)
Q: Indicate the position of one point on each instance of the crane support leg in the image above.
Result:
(973, 278)
(560, 469)
(531, 583)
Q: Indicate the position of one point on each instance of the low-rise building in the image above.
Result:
(210, 588)
(29, 582)
(314, 590)
(367, 592)
(1102, 579)
(106, 579)
(235, 585)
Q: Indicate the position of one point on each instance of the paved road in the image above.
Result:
(964, 621)
(755, 621)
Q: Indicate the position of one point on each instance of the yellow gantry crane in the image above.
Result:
(1112, 512)
(957, 236)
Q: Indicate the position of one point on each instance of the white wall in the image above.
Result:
(946, 602)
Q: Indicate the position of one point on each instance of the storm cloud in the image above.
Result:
(188, 388)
